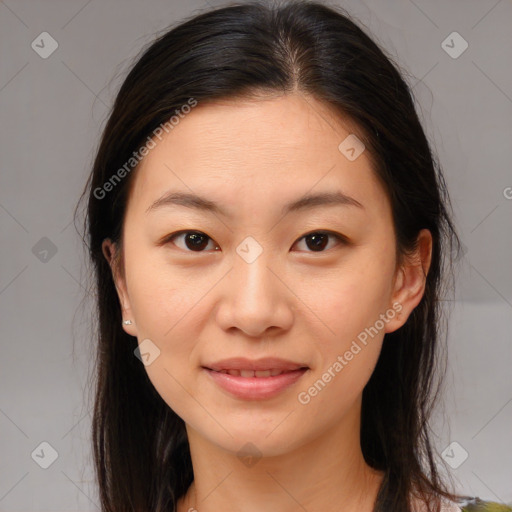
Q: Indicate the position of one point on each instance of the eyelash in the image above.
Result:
(337, 236)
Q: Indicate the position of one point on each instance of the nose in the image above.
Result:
(254, 298)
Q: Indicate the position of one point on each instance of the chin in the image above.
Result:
(255, 443)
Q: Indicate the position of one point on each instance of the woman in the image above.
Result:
(270, 235)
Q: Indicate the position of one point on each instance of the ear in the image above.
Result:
(110, 251)
(410, 280)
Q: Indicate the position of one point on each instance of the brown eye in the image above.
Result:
(197, 241)
(193, 241)
(317, 241)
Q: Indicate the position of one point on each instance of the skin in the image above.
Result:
(252, 157)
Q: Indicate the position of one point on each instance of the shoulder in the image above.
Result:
(467, 504)
(478, 505)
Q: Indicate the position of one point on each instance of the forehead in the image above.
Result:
(275, 129)
(268, 149)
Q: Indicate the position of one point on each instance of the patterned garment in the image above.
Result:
(478, 505)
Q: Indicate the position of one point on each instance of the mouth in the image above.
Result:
(274, 372)
(274, 365)
(255, 380)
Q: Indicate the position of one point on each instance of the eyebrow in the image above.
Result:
(306, 202)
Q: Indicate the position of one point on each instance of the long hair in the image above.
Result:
(140, 447)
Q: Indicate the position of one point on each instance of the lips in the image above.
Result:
(255, 388)
(251, 373)
(266, 367)
(255, 379)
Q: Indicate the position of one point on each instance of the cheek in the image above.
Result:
(167, 308)
(350, 309)
(348, 299)
(163, 297)
(349, 303)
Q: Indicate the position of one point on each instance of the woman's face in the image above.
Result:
(204, 285)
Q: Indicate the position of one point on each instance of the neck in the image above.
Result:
(327, 472)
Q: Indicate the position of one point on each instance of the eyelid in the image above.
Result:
(338, 236)
(168, 238)
(334, 234)
(342, 239)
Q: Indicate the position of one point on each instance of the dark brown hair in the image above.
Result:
(140, 447)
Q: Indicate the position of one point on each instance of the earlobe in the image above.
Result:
(425, 246)
(410, 281)
(109, 250)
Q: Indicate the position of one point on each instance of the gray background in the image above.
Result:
(52, 112)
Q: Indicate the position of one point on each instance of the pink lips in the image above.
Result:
(255, 380)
